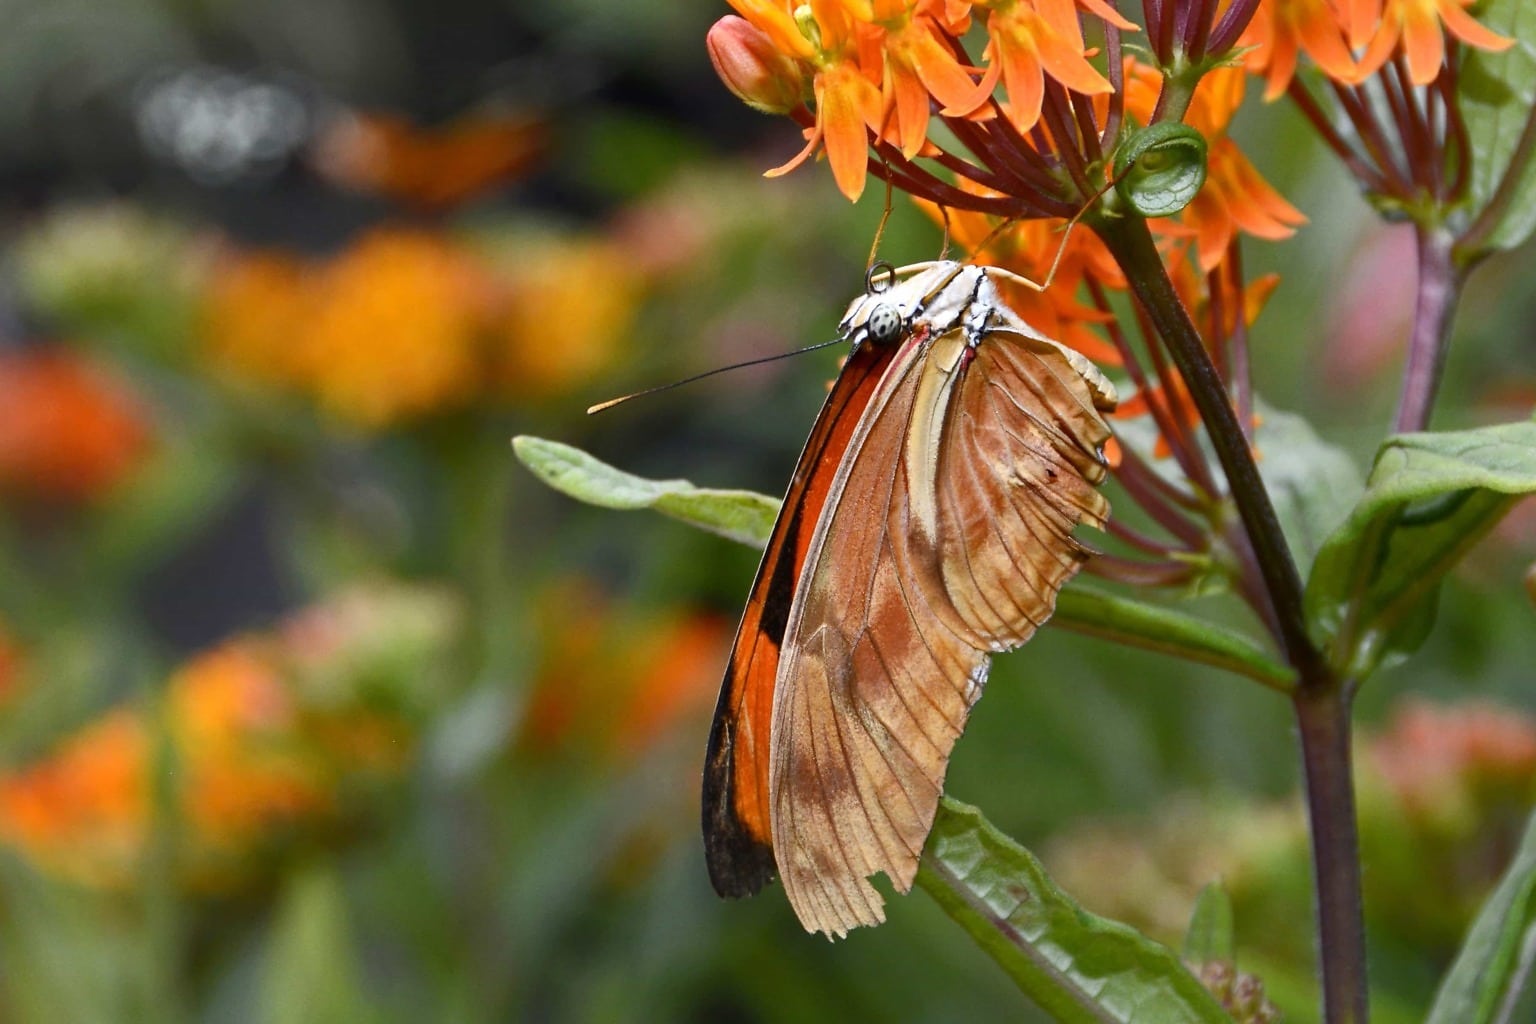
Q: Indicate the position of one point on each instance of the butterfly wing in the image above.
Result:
(735, 808)
(946, 536)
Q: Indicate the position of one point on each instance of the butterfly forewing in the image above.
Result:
(736, 829)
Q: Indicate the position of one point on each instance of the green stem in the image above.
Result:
(1320, 697)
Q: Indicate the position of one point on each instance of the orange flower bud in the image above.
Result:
(753, 68)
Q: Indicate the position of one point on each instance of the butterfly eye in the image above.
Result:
(884, 324)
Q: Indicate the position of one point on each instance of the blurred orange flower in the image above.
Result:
(254, 739)
(68, 431)
(1329, 31)
(404, 324)
(257, 304)
(617, 683)
(83, 811)
(565, 308)
(392, 331)
(1436, 760)
(233, 722)
(430, 168)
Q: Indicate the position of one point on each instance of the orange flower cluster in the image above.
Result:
(69, 432)
(251, 742)
(874, 64)
(881, 64)
(430, 169)
(614, 684)
(1441, 762)
(406, 323)
(86, 812)
(1351, 40)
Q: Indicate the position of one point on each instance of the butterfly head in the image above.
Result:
(895, 299)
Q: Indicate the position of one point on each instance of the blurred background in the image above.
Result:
(314, 706)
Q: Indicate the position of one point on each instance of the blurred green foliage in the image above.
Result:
(489, 703)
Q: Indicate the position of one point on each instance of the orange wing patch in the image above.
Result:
(736, 829)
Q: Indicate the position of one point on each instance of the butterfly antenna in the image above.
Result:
(944, 216)
(1066, 235)
(885, 215)
(600, 406)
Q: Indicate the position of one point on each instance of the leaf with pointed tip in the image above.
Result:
(737, 515)
(1209, 938)
(1077, 966)
(1498, 105)
(1490, 982)
(1371, 595)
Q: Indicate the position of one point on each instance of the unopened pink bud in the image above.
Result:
(753, 68)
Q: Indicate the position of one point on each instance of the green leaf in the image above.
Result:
(1078, 967)
(1491, 979)
(311, 972)
(1498, 104)
(1312, 483)
(1159, 169)
(1371, 595)
(1156, 628)
(1210, 935)
(738, 515)
(748, 517)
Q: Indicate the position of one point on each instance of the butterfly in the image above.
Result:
(928, 525)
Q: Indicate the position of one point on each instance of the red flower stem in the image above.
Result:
(1194, 467)
(1165, 573)
(1142, 484)
(1175, 497)
(1116, 113)
(1135, 538)
(1439, 287)
(1358, 107)
(1321, 699)
(1241, 378)
(1176, 422)
(1364, 173)
(1087, 128)
(1458, 143)
(1053, 114)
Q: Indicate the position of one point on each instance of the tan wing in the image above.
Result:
(946, 537)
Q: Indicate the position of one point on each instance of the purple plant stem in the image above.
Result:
(1438, 288)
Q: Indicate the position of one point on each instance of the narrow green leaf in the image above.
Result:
(1156, 628)
(1491, 978)
(1498, 103)
(312, 973)
(1078, 967)
(1371, 595)
(738, 515)
(1210, 935)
